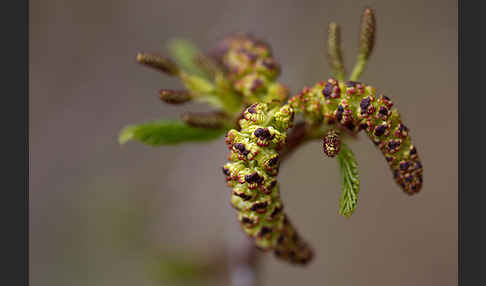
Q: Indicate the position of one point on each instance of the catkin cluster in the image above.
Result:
(254, 158)
(243, 77)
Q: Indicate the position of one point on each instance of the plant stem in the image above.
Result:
(358, 69)
(297, 136)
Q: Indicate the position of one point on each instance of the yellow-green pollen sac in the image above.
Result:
(251, 173)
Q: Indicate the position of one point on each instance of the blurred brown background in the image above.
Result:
(100, 213)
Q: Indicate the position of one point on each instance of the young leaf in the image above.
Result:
(167, 132)
(186, 54)
(350, 181)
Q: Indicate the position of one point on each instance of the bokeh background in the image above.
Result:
(104, 214)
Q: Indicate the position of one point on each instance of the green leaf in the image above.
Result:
(202, 76)
(197, 84)
(350, 181)
(184, 52)
(167, 132)
(172, 269)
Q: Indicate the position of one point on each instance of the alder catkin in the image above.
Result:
(353, 106)
(251, 173)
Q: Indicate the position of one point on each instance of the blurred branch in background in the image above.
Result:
(115, 228)
(186, 268)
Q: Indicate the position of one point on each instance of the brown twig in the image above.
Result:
(297, 136)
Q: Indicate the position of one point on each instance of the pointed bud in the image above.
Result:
(367, 34)
(211, 120)
(160, 63)
(331, 143)
(175, 96)
(334, 50)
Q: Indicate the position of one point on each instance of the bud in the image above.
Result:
(175, 96)
(160, 63)
(367, 34)
(211, 120)
(331, 143)
(334, 50)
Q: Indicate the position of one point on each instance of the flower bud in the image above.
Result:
(331, 143)
(160, 63)
(211, 120)
(175, 96)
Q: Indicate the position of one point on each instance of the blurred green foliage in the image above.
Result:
(185, 52)
(167, 132)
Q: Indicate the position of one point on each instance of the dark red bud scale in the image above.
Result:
(331, 143)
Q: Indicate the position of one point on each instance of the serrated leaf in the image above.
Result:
(184, 52)
(167, 132)
(350, 181)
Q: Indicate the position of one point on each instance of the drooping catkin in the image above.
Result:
(251, 173)
(353, 106)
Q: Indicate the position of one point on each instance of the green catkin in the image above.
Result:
(251, 173)
(353, 106)
(251, 69)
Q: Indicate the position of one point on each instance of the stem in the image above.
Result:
(297, 136)
(358, 68)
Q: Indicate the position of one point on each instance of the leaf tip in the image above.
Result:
(126, 134)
